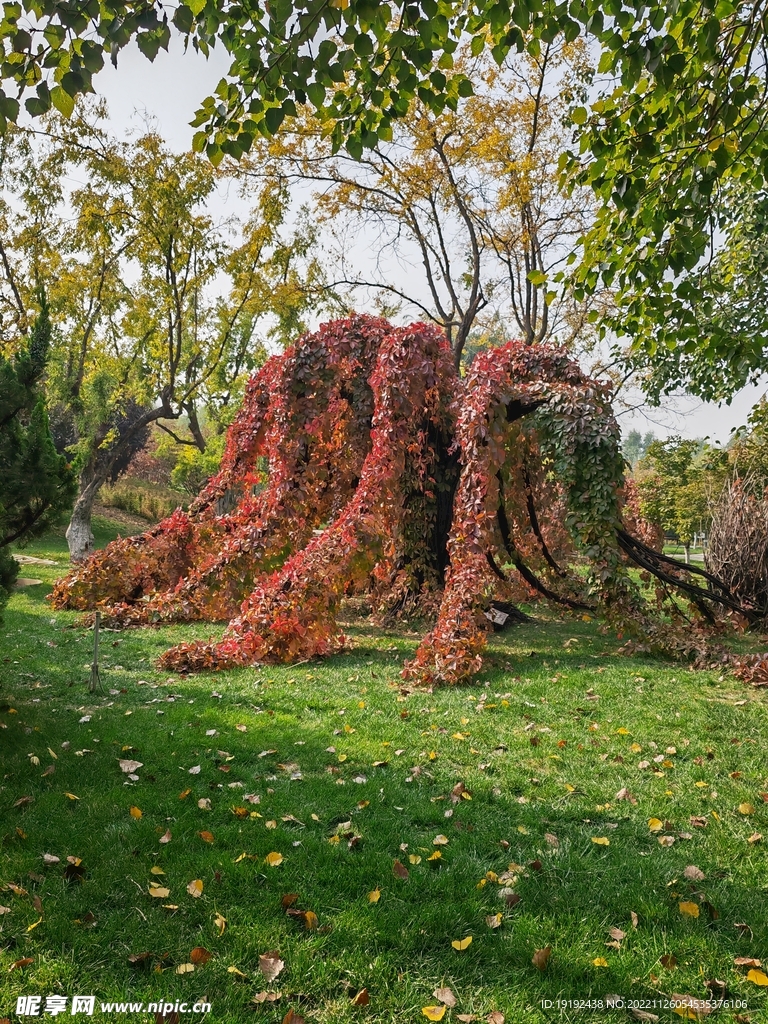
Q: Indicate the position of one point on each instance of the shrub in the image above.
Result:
(142, 498)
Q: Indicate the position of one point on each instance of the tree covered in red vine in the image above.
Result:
(362, 462)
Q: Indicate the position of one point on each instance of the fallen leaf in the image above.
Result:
(34, 925)
(195, 770)
(166, 837)
(207, 837)
(495, 1017)
(600, 961)
(757, 977)
(274, 860)
(5, 910)
(462, 944)
(200, 955)
(494, 920)
(689, 1007)
(433, 1012)
(466, 1018)
(204, 804)
(237, 973)
(293, 1018)
(747, 961)
(266, 997)
(669, 960)
(756, 837)
(195, 888)
(185, 968)
(48, 858)
(601, 841)
(694, 874)
(634, 918)
(270, 965)
(220, 923)
(655, 824)
(617, 933)
(17, 965)
(445, 995)
(400, 870)
(184, 794)
(159, 892)
(135, 812)
(540, 958)
(130, 766)
(71, 796)
(155, 870)
(691, 909)
(746, 809)
(440, 841)
(362, 998)
(374, 896)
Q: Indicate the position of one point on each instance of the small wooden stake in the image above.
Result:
(95, 680)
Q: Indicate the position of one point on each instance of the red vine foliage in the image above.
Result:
(361, 461)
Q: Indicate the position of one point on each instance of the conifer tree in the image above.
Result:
(36, 484)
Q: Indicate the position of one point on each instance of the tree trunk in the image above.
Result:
(79, 534)
(687, 546)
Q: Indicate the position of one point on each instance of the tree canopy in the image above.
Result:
(678, 114)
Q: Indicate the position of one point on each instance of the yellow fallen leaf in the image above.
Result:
(435, 856)
(757, 977)
(635, 748)
(691, 909)
(655, 824)
(195, 887)
(185, 968)
(270, 824)
(434, 1012)
(34, 925)
(746, 809)
(155, 870)
(71, 796)
(600, 961)
(440, 840)
(374, 896)
(601, 841)
(159, 892)
(342, 757)
(237, 972)
(220, 923)
(461, 944)
(622, 731)
(274, 860)
(432, 755)
(414, 858)
(135, 812)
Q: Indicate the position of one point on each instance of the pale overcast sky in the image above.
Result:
(171, 90)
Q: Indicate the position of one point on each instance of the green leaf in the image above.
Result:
(579, 115)
(63, 102)
(196, 6)
(274, 118)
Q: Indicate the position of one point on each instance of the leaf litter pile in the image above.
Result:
(323, 843)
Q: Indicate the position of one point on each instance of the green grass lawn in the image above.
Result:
(347, 772)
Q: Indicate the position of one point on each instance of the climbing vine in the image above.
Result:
(361, 462)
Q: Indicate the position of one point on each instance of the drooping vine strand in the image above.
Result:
(362, 463)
